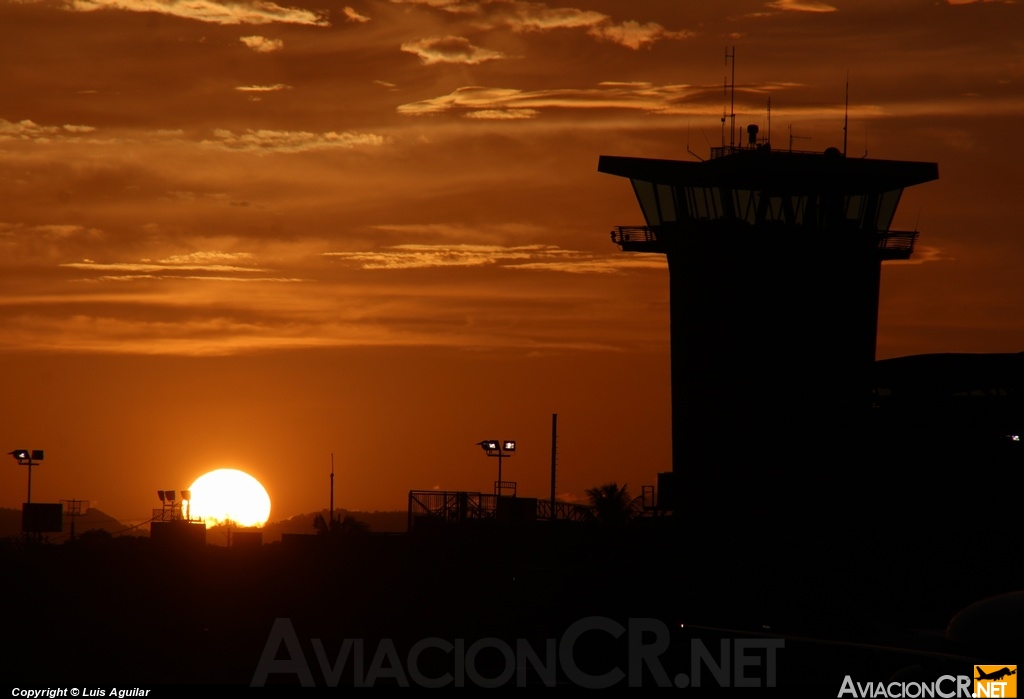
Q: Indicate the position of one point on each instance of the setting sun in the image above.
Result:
(228, 494)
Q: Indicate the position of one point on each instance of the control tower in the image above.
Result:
(774, 261)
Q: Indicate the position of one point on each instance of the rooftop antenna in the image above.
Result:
(732, 98)
(846, 113)
(792, 136)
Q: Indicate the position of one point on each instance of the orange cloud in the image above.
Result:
(267, 140)
(547, 258)
(352, 16)
(642, 96)
(263, 88)
(28, 130)
(261, 44)
(635, 35)
(801, 6)
(450, 49)
(260, 12)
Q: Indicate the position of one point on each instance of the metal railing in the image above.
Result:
(565, 511)
(450, 506)
(893, 244)
(898, 241)
(505, 488)
(633, 234)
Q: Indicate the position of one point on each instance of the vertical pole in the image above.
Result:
(29, 500)
(499, 469)
(732, 99)
(332, 490)
(846, 112)
(554, 463)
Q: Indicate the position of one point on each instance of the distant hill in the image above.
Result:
(303, 524)
(10, 524)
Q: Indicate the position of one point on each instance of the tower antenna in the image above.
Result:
(846, 112)
(554, 462)
(732, 97)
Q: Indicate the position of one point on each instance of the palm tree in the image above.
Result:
(612, 505)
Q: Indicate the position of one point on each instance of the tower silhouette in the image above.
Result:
(774, 262)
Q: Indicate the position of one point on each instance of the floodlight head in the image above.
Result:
(20, 454)
(509, 445)
(37, 454)
(170, 495)
(160, 494)
(186, 495)
(489, 444)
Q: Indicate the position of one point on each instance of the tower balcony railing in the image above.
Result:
(638, 239)
(897, 245)
(892, 245)
(633, 234)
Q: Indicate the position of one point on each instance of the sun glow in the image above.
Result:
(228, 494)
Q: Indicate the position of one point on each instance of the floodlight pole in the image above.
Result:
(498, 451)
(25, 458)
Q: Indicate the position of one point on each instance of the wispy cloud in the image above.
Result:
(635, 35)
(801, 6)
(453, 6)
(28, 130)
(535, 16)
(643, 96)
(502, 114)
(263, 88)
(450, 49)
(351, 15)
(221, 266)
(523, 16)
(157, 266)
(266, 140)
(257, 12)
(261, 44)
(549, 258)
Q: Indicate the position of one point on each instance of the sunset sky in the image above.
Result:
(252, 234)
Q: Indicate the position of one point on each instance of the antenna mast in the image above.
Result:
(732, 97)
(846, 113)
(554, 462)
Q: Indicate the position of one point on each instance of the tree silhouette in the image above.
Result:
(347, 526)
(612, 505)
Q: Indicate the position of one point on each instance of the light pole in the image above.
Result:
(500, 449)
(30, 459)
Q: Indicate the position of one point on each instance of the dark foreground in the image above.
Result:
(655, 603)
